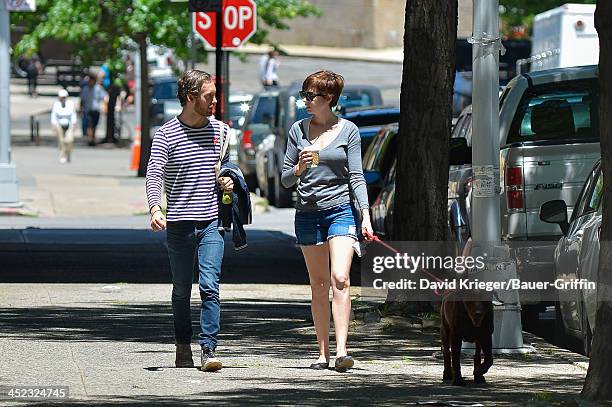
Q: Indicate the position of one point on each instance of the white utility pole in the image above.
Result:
(9, 194)
(486, 222)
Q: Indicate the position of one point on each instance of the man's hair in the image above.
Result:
(190, 83)
(326, 83)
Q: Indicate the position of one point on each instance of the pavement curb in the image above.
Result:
(385, 55)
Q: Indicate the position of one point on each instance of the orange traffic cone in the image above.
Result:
(135, 164)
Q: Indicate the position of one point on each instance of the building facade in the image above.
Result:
(359, 23)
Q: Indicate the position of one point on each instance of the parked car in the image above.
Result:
(263, 167)
(381, 209)
(291, 109)
(379, 158)
(163, 89)
(239, 105)
(259, 123)
(577, 256)
(370, 120)
(548, 143)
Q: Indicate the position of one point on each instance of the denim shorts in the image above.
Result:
(316, 228)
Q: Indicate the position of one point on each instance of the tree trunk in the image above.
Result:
(430, 34)
(145, 137)
(598, 385)
(425, 120)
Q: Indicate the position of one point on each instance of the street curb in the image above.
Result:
(388, 55)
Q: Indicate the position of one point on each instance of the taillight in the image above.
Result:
(246, 139)
(514, 188)
(514, 176)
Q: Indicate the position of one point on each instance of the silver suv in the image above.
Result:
(548, 144)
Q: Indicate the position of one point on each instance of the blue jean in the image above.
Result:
(188, 240)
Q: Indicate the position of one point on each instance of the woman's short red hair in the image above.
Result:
(325, 82)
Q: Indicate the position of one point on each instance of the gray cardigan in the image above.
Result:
(327, 185)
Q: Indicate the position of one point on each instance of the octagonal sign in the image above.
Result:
(239, 24)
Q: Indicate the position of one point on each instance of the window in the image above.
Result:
(590, 196)
(463, 128)
(165, 90)
(596, 194)
(557, 112)
(264, 111)
(386, 153)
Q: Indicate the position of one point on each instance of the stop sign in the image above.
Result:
(239, 24)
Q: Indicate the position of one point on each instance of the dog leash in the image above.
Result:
(376, 239)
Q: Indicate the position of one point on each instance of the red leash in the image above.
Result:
(375, 238)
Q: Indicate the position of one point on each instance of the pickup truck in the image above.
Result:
(549, 141)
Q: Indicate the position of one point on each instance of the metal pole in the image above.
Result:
(485, 124)
(9, 193)
(226, 80)
(192, 43)
(219, 64)
(486, 221)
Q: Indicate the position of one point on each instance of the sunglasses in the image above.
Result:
(309, 96)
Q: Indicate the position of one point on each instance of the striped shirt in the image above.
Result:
(183, 161)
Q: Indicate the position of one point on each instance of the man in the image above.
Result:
(267, 69)
(92, 97)
(184, 159)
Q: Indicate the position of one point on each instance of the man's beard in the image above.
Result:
(201, 109)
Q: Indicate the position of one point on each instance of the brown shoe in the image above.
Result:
(184, 358)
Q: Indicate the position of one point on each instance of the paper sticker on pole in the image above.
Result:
(239, 24)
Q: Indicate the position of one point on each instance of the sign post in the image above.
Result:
(223, 30)
(9, 193)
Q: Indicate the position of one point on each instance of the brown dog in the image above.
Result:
(467, 320)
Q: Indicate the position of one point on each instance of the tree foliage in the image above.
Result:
(102, 28)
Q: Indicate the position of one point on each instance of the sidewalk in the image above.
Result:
(389, 55)
(113, 345)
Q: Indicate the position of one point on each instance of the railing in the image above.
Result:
(35, 126)
(536, 58)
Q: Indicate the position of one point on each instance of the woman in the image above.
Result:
(324, 155)
(63, 121)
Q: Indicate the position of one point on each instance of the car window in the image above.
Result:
(348, 99)
(370, 154)
(590, 197)
(561, 111)
(386, 153)
(264, 111)
(460, 123)
(165, 90)
(463, 128)
(355, 98)
(596, 194)
(238, 110)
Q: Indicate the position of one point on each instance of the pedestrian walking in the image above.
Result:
(33, 69)
(92, 97)
(185, 160)
(268, 66)
(63, 122)
(324, 155)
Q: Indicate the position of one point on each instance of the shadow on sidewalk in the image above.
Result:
(40, 255)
